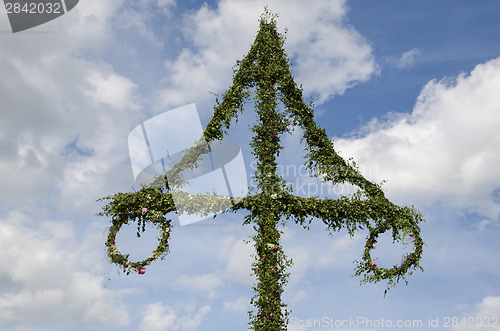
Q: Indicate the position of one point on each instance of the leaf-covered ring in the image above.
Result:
(161, 249)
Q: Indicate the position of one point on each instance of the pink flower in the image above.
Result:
(142, 271)
(373, 264)
(412, 235)
(272, 271)
(144, 211)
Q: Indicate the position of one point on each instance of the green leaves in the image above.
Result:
(401, 221)
(123, 218)
(265, 69)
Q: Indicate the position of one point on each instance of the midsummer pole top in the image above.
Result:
(265, 72)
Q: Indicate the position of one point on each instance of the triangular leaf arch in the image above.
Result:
(266, 70)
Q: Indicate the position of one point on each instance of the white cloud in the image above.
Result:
(446, 150)
(408, 58)
(112, 90)
(59, 136)
(89, 25)
(205, 283)
(137, 17)
(483, 318)
(59, 148)
(239, 305)
(298, 296)
(297, 328)
(44, 134)
(46, 277)
(339, 251)
(166, 3)
(239, 257)
(302, 260)
(330, 56)
(157, 317)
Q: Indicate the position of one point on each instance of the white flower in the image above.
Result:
(274, 196)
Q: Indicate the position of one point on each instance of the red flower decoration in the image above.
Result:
(141, 271)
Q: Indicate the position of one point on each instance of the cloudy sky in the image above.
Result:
(410, 90)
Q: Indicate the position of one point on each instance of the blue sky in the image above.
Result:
(408, 89)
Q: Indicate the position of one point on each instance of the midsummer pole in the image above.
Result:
(266, 69)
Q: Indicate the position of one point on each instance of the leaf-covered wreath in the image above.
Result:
(401, 228)
(141, 217)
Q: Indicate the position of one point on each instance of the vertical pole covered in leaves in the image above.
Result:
(266, 70)
(270, 264)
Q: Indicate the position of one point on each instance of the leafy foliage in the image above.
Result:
(266, 70)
